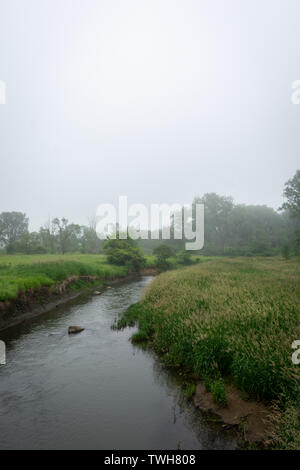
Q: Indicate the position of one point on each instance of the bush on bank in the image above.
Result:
(124, 252)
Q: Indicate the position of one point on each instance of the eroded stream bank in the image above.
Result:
(94, 390)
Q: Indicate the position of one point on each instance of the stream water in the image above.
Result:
(94, 390)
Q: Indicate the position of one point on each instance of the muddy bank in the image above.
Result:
(34, 302)
(250, 419)
(149, 272)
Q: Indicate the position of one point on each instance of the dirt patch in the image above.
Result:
(149, 272)
(250, 418)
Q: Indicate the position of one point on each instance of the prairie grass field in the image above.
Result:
(231, 319)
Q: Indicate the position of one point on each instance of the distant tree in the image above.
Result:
(12, 226)
(67, 235)
(61, 233)
(285, 251)
(184, 257)
(47, 236)
(162, 253)
(177, 227)
(29, 243)
(257, 230)
(217, 227)
(75, 232)
(90, 242)
(124, 252)
(292, 207)
(292, 195)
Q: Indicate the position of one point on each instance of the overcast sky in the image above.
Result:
(159, 100)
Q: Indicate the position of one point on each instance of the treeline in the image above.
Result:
(230, 229)
(56, 236)
(235, 229)
(245, 230)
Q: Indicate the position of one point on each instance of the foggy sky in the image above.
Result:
(159, 100)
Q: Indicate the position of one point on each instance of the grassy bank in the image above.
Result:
(232, 319)
(22, 273)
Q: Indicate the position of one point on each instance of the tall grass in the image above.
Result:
(230, 317)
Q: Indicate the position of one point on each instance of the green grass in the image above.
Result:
(21, 273)
(13, 260)
(24, 272)
(150, 261)
(230, 318)
(189, 390)
(218, 390)
(129, 318)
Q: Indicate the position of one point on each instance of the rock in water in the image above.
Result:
(97, 292)
(75, 329)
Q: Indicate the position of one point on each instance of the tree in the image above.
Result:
(90, 242)
(285, 251)
(124, 252)
(162, 253)
(12, 226)
(292, 195)
(29, 243)
(61, 233)
(67, 235)
(256, 230)
(184, 257)
(217, 228)
(47, 236)
(292, 206)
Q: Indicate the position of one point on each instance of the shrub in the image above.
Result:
(184, 258)
(162, 253)
(124, 252)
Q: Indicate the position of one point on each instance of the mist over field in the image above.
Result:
(160, 101)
